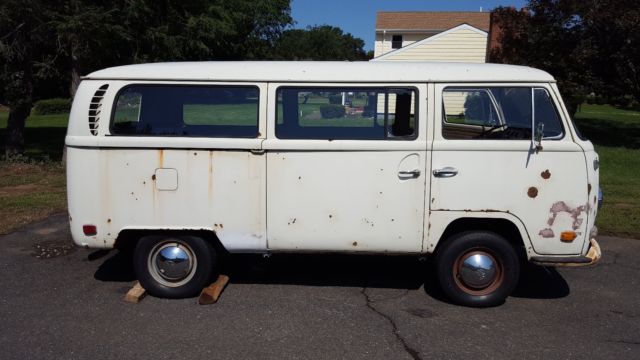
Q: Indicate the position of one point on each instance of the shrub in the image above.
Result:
(332, 111)
(52, 106)
(335, 99)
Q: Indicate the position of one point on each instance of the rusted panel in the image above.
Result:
(546, 174)
(561, 206)
(532, 192)
(546, 233)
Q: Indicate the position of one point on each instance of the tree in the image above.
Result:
(50, 40)
(318, 43)
(589, 46)
(24, 41)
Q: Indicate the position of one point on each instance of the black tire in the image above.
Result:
(199, 268)
(477, 291)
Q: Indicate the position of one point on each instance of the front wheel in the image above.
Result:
(478, 268)
(174, 266)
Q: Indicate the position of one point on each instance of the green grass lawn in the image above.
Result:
(616, 134)
(31, 191)
(44, 135)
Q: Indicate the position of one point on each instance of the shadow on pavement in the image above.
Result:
(371, 271)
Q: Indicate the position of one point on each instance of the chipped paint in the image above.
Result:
(532, 192)
(546, 233)
(561, 206)
(546, 174)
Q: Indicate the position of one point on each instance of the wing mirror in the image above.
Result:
(539, 134)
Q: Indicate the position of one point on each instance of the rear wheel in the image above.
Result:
(477, 268)
(174, 266)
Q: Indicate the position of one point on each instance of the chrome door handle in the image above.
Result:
(412, 173)
(445, 172)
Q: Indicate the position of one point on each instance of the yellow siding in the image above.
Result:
(458, 46)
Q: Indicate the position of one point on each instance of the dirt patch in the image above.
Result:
(18, 190)
(52, 249)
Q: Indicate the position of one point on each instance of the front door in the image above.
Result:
(346, 168)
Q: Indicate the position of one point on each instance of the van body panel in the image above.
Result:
(546, 188)
(264, 193)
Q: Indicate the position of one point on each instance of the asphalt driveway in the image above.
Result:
(61, 302)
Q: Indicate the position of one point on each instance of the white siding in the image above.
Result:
(461, 45)
(407, 39)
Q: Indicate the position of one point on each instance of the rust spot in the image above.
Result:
(392, 220)
(588, 189)
(109, 221)
(161, 157)
(330, 216)
(429, 227)
(545, 174)
(299, 177)
(153, 177)
(195, 154)
(532, 192)
(294, 221)
(561, 206)
(259, 134)
(546, 233)
(144, 183)
(355, 243)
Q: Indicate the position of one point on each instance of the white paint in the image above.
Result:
(344, 195)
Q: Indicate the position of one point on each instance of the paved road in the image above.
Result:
(59, 302)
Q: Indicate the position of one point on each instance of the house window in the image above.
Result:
(396, 41)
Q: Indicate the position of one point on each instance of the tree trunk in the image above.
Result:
(75, 75)
(15, 128)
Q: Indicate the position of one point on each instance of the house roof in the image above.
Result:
(430, 20)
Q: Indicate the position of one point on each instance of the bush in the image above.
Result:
(335, 99)
(332, 111)
(52, 106)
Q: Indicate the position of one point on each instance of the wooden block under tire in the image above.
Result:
(211, 293)
(135, 294)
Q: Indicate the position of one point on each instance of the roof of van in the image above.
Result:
(325, 71)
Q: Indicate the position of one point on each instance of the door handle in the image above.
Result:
(445, 172)
(413, 173)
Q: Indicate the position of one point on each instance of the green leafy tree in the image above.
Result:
(318, 43)
(589, 46)
(24, 41)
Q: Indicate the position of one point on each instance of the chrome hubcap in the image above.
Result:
(172, 263)
(478, 270)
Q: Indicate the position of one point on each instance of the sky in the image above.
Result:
(358, 17)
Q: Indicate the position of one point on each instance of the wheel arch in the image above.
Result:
(127, 239)
(444, 226)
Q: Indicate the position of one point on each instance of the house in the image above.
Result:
(432, 36)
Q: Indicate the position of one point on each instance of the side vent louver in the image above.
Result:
(95, 108)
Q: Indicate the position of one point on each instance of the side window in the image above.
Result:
(346, 113)
(177, 110)
(497, 113)
(396, 41)
(547, 115)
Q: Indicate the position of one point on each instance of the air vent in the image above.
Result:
(95, 108)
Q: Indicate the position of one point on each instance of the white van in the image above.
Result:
(477, 164)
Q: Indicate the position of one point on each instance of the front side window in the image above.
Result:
(346, 113)
(498, 113)
(184, 110)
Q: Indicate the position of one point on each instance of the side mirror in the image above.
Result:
(539, 133)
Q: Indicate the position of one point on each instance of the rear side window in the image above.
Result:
(182, 110)
(498, 113)
(346, 113)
